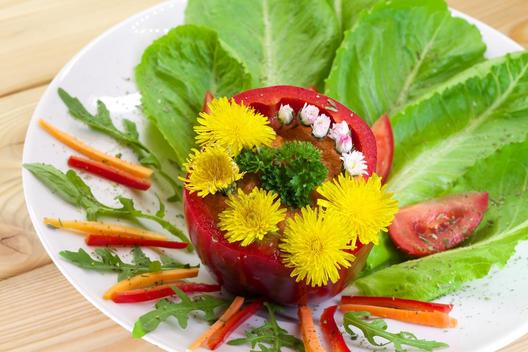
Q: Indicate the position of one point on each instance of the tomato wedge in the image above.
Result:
(439, 224)
(382, 130)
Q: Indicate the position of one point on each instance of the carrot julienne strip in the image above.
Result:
(99, 228)
(433, 319)
(228, 314)
(149, 279)
(309, 335)
(93, 154)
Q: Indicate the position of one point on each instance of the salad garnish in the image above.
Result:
(125, 241)
(163, 290)
(378, 328)
(332, 334)
(308, 332)
(269, 337)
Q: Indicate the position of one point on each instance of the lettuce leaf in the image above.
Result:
(439, 137)
(505, 176)
(347, 11)
(396, 52)
(280, 41)
(175, 72)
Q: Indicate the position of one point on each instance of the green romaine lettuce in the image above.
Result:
(173, 76)
(280, 41)
(396, 52)
(440, 136)
(347, 11)
(505, 176)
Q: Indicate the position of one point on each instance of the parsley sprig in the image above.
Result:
(165, 309)
(103, 123)
(107, 261)
(293, 171)
(71, 188)
(269, 337)
(378, 328)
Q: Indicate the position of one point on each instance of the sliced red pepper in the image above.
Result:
(124, 241)
(236, 320)
(399, 303)
(147, 294)
(105, 171)
(331, 332)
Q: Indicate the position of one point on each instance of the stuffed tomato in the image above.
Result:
(281, 200)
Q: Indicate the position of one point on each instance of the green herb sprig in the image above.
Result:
(293, 171)
(165, 309)
(269, 337)
(71, 188)
(103, 123)
(378, 328)
(106, 260)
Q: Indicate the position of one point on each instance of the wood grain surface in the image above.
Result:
(40, 310)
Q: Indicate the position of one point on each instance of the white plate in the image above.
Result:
(492, 312)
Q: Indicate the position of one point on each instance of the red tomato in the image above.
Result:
(385, 145)
(439, 224)
(258, 269)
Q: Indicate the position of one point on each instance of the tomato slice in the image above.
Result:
(382, 130)
(439, 224)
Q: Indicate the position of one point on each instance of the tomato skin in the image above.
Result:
(382, 130)
(439, 224)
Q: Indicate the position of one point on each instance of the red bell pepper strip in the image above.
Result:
(125, 241)
(331, 332)
(236, 320)
(147, 294)
(105, 171)
(399, 303)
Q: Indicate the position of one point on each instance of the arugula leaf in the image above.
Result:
(71, 188)
(281, 42)
(175, 72)
(103, 123)
(108, 261)
(504, 175)
(378, 328)
(382, 70)
(269, 337)
(165, 309)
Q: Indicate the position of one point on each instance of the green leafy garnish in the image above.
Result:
(269, 337)
(364, 80)
(165, 309)
(293, 171)
(108, 261)
(175, 72)
(280, 42)
(378, 328)
(71, 188)
(102, 122)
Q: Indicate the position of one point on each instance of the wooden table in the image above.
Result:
(39, 309)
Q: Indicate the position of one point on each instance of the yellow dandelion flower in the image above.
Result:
(315, 245)
(249, 217)
(210, 171)
(364, 205)
(233, 126)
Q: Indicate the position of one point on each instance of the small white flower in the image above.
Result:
(344, 144)
(285, 114)
(339, 129)
(308, 114)
(354, 163)
(321, 126)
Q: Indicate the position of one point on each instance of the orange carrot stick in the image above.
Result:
(309, 335)
(93, 154)
(233, 308)
(434, 319)
(99, 228)
(149, 279)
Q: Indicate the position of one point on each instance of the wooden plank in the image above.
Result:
(39, 37)
(20, 249)
(43, 312)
